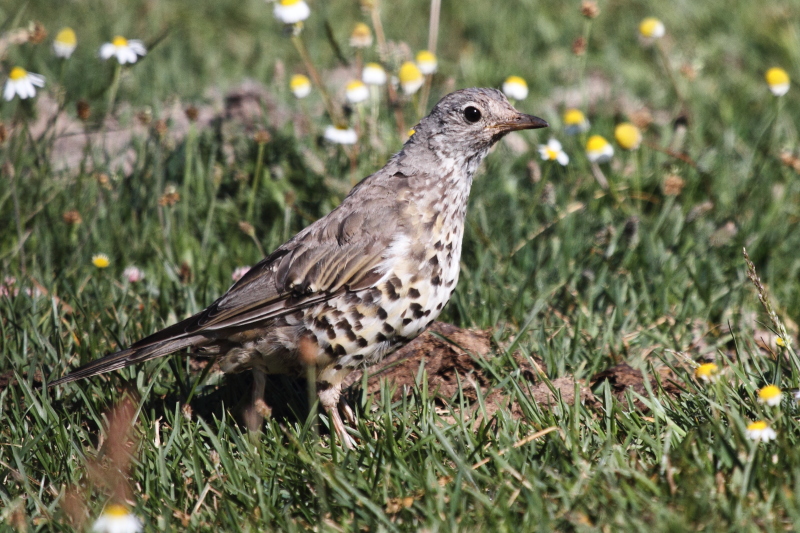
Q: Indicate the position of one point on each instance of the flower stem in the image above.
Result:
(112, 91)
(297, 40)
(256, 180)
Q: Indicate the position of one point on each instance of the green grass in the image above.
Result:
(628, 277)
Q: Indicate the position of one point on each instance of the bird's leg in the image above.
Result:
(347, 411)
(329, 395)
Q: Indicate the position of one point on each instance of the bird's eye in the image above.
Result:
(472, 114)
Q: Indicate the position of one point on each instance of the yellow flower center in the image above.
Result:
(776, 76)
(289, 2)
(361, 31)
(649, 26)
(299, 81)
(119, 41)
(116, 510)
(574, 117)
(17, 73)
(551, 154)
(425, 56)
(628, 136)
(769, 392)
(757, 426)
(409, 72)
(706, 370)
(375, 66)
(516, 80)
(780, 342)
(596, 143)
(100, 261)
(355, 85)
(66, 36)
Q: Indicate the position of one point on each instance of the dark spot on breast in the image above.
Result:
(380, 337)
(416, 310)
(344, 325)
(427, 313)
(449, 246)
(382, 314)
(387, 328)
(407, 321)
(390, 291)
(429, 323)
(438, 245)
(323, 385)
(337, 313)
(331, 332)
(358, 326)
(329, 350)
(358, 357)
(394, 280)
(439, 306)
(413, 293)
(434, 260)
(362, 342)
(436, 280)
(321, 322)
(337, 367)
(339, 350)
(356, 315)
(351, 336)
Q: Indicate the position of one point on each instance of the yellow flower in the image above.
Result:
(575, 122)
(778, 81)
(628, 136)
(64, 43)
(426, 61)
(770, 395)
(291, 11)
(356, 92)
(598, 149)
(300, 86)
(651, 29)
(780, 342)
(411, 78)
(760, 431)
(706, 372)
(515, 88)
(22, 83)
(117, 519)
(361, 36)
(552, 151)
(100, 260)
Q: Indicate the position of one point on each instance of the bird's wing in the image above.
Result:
(346, 252)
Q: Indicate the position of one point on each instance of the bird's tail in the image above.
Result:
(138, 353)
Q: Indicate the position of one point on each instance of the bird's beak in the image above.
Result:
(522, 122)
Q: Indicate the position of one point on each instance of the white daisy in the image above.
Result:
(356, 92)
(411, 78)
(552, 151)
(426, 61)
(598, 149)
(361, 36)
(770, 395)
(760, 431)
(125, 50)
(515, 88)
(778, 81)
(300, 86)
(373, 74)
(575, 122)
(651, 29)
(117, 519)
(65, 43)
(340, 135)
(22, 83)
(133, 274)
(291, 11)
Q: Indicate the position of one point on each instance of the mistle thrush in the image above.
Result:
(360, 282)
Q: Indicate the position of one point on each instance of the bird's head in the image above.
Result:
(466, 123)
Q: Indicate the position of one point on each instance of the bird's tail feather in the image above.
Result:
(129, 356)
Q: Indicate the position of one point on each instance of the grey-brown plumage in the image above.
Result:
(362, 281)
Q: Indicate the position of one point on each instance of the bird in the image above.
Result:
(360, 282)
